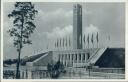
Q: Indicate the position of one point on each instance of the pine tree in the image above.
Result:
(23, 16)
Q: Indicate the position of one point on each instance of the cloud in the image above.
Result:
(90, 29)
(55, 20)
(60, 32)
(86, 12)
(52, 15)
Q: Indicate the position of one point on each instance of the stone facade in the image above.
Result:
(71, 58)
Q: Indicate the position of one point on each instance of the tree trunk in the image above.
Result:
(18, 64)
(20, 47)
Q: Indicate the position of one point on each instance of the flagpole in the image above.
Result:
(108, 40)
(97, 39)
(93, 45)
(92, 41)
(88, 42)
(84, 46)
(97, 44)
(88, 45)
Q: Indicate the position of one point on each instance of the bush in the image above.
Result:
(54, 70)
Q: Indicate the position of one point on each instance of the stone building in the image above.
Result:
(76, 57)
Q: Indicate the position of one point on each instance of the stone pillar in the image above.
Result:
(21, 74)
(77, 59)
(81, 59)
(85, 58)
(25, 74)
(72, 59)
(66, 60)
(63, 59)
(60, 57)
(29, 74)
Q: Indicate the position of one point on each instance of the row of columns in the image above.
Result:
(25, 74)
(39, 74)
(69, 60)
(34, 74)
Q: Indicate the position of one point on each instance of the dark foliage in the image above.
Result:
(10, 61)
(14, 61)
(23, 14)
(54, 70)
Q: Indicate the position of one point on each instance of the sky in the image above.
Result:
(55, 21)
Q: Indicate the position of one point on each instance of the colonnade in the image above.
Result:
(73, 59)
(33, 74)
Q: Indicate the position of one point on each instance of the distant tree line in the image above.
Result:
(14, 61)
